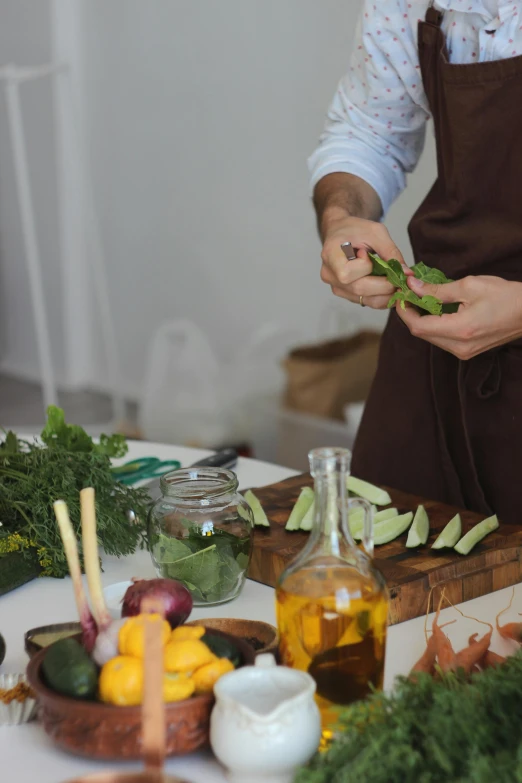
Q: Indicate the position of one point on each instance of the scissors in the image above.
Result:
(144, 468)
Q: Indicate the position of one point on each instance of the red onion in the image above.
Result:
(176, 599)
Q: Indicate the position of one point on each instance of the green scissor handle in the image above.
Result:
(144, 468)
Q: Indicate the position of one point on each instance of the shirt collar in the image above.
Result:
(468, 7)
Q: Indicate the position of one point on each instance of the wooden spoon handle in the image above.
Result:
(153, 708)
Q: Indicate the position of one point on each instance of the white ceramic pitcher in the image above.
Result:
(265, 723)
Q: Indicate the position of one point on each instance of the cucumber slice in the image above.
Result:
(356, 523)
(304, 501)
(450, 535)
(368, 491)
(392, 528)
(476, 534)
(308, 519)
(386, 513)
(260, 518)
(420, 529)
(356, 520)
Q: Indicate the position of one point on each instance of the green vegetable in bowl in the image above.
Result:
(69, 669)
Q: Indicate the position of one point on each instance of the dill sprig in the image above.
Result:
(34, 475)
(431, 730)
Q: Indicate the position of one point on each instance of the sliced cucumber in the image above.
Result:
(368, 491)
(420, 529)
(392, 528)
(304, 501)
(356, 523)
(450, 535)
(386, 513)
(476, 534)
(356, 520)
(260, 518)
(308, 519)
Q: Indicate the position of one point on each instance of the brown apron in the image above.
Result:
(433, 425)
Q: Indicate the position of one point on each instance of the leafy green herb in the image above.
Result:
(72, 437)
(398, 278)
(33, 476)
(209, 563)
(456, 728)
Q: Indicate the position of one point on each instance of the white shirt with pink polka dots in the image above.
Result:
(376, 123)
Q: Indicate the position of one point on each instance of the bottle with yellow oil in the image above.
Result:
(332, 603)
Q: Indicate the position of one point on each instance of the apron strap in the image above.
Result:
(433, 16)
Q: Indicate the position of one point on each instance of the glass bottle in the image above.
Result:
(201, 532)
(332, 604)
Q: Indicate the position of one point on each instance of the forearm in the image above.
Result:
(338, 196)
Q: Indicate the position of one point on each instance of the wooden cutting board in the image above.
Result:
(410, 573)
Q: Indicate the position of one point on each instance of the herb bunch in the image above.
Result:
(34, 475)
(431, 730)
(396, 275)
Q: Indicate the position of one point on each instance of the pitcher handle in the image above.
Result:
(368, 541)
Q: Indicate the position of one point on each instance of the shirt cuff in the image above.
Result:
(380, 171)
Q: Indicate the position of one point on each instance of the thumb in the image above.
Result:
(446, 292)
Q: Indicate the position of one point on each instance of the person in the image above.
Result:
(443, 419)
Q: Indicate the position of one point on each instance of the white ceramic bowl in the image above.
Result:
(113, 595)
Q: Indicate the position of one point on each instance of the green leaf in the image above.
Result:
(112, 445)
(393, 270)
(242, 561)
(429, 274)
(57, 433)
(169, 549)
(200, 568)
(398, 278)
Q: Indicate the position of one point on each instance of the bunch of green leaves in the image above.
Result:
(34, 475)
(456, 728)
(396, 275)
(209, 563)
(72, 437)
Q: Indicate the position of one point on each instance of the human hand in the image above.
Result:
(490, 314)
(351, 279)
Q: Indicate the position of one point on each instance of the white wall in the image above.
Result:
(25, 39)
(200, 116)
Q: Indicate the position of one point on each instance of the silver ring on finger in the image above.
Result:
(361, 302)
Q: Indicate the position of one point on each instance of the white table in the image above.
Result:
(25, 751)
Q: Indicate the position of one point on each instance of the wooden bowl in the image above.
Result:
(38, 639)
(105, 731)
(262, 637)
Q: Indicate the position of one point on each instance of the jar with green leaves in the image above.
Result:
(201, 532)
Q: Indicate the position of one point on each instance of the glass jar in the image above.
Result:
(201, 532)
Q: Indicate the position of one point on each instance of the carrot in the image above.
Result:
(446, 657)
(426, 662)
(510, 630)
(491, 659)
(470, 656)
